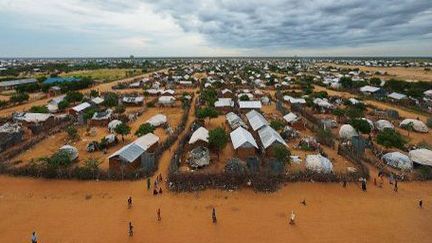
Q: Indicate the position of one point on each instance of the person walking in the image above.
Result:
(34, 238)
(292, 218)
(148, 183)
(396, 186)
(130, 229)
(304, 202)
(159, 215)
(363, 185)
(129, 202)
(421, 203)
(214, 216)
(160, 190)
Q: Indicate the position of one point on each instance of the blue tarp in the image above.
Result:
(61, 80)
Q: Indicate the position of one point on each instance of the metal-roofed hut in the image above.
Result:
(243, 142)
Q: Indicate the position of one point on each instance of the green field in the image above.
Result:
(105, 74)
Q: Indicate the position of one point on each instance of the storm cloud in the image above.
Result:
(293, 24)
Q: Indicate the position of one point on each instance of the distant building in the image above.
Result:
(54, 80)
(12, 84)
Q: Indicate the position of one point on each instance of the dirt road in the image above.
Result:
(76, 211)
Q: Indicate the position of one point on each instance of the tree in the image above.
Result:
(218, 139)
(361, 125)
(94, 93)
(346, 82)
(338, 113)
(72, 133)
(353, 112)
(111, 99)
(73, 96)
(409, 127)
(119, 109)
(244, 98)
(375, 81)
(209, 112)
(277, 124)
(88, 113)
(122, 129)
(281, 153)
(390, 138)
(62, 105)
(19, 97)
(39, 109)
(92, 165)
(59, 159)
(144, 129)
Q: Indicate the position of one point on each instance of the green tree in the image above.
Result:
(144, 129)
(94, 93)
(122, 129)
(346, 82)
(277, 125)
(361, 125)
(218, 139)
(19, 97)
(62, 105)
(281, 153)
(73, 96)
(72, 133)
(207, 112)
(409, 127)
(39, 109)
(119, 109)
(111, 99)
(390, 138)
(375, 81)
(244, 98)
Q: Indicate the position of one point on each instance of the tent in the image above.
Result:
(291, 117)
(113, 124)
(346, 131)
(157, 120)
(270, 136)
(318, 163)
(418, 125)
(382, 124)
(421, 156)
(242, 138)
(398, 160)
(201, 134)
(71, 151)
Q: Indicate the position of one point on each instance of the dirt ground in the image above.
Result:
(75, 211)
(408, 74)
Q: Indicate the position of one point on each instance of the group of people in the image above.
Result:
(157, 181)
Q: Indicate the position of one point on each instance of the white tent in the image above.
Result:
(201, 134)
(113, 124)
(71, 151)
(347, 131)
(256, 120)
(269, 136)
(166, 100)
(291, 117)
(322, 103)
(242, 138)
(418, 125)
(157, 120)
(318, 163)
(398, 160)
(382, 124)
(421, 156)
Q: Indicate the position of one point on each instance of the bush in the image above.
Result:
(277, 124)
(72, 132)
(244, 98)
(375, 81)
(73, 96)
(391, 138)
(62, 105)
(218, 138)
(346, 82)
(209, 112)
(19, 97)
(361, 125)
(144, 129)
(39, 109)
(281, 153)
(111, 99)
(119, 109)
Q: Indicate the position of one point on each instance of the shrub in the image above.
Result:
(111, 99)
(39, 109)
(62, 105)
(281, 153)
(144, 129)
(218, 138)
(277, 125)
(73, 96)
(361, 125)
(391, 138)
(19, 97)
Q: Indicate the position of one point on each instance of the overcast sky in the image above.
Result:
(62, 28)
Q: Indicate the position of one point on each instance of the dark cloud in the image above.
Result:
(301, 24)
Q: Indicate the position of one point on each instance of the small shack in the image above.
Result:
(243, 142)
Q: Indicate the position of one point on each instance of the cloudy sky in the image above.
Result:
(59, 28)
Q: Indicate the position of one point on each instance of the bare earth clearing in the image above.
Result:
(73, 211)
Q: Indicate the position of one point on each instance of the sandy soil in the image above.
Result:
(410, 73)
(73, 211)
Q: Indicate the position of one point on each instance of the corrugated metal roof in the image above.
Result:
(250, 104)
(201, 134)
(134, 150)
(269, 136)
(256, 120)
(241, 137)
(81, 107)
(17, 82)
(61, 80)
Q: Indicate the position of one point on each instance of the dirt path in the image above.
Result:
(165, 158)
(101, 87)
(77, 211)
